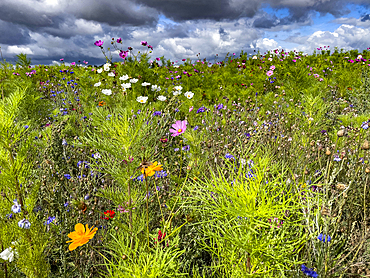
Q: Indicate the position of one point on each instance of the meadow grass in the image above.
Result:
(249, 167)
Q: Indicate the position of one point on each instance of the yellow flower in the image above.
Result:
(150, 171)
(80, 236)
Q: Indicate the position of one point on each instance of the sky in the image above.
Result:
(50, 30)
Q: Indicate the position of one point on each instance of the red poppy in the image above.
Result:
(109, 214)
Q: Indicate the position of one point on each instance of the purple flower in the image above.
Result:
(157, 113)
(186, 148)
(195, 128)
(201, 110)
(229, 156)
(68, 176)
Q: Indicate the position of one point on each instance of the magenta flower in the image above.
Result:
(99, 43)
(144, 43)
(123, 54)
(179, 128)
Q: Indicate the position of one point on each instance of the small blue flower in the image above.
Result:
(49, 220)
(322, 238)
(365, 125)
(309, 271)
(16, 208)
(66, 204)
(195, 128)
(177, 110)
(157, 113)
(337, 158)
(176, 149)
(24, 223)
(87, 197)
(229, 156)
(68, 176)
(64, 143)
(26, 126)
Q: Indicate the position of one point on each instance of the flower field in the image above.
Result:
(255, 166)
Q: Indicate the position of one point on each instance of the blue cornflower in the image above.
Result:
(24, 223)
(138, 111)
(87, 197)
(96, 155)
(229, 156)
(9, 216)
(196, 127)
(157, 113)
(49, 220)
(322, 238)
(68, 176)
(26, 126)
(16, 208)
(64, 142)
(309, 271)
(202, 109)
(177, 110)
(66, 204)
(176, 149)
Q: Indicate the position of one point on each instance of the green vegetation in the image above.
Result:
(249, 167)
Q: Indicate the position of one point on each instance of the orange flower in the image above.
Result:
(101, 103)
(80, 236)
(150, 171)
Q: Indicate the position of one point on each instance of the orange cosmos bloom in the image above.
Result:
(80, 236)
(150, 171)
(101, 103)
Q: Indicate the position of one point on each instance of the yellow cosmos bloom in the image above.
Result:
(150, 171)
(80, 236)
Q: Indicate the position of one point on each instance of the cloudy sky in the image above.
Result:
(48, 30)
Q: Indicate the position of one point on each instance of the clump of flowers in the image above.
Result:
(109, 214)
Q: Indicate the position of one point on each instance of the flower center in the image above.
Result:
(179, 130)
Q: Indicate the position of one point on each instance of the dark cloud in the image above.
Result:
(365, 18)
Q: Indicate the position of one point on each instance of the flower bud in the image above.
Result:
(367, 170)
(341, 186)
(328, 152)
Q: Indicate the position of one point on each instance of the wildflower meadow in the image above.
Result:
(253, 166)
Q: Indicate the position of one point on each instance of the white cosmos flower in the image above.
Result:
(178, 88)
(161, 98)
(8, 254)
(133, 80)
(145, 84)
(100, 70)
(126, 85)
(155, 87)
(106, 67)
(107, 92)
(175, 93)
(189, 95)
(142, 99)
(124, 77)
(111, 74)
(254, 57)
(270, 59)
(97, 84)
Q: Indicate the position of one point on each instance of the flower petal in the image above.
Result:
(80, 228)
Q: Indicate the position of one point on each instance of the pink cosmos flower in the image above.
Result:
(99, 43)
(73, 63)
(191, 109)
(269, 73)
(272, 67)
(179, 128)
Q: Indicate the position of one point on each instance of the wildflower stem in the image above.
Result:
(147, 206)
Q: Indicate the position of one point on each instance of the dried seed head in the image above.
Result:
(341, 133)
(328, 152)
(365, 145)
(341, 186)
